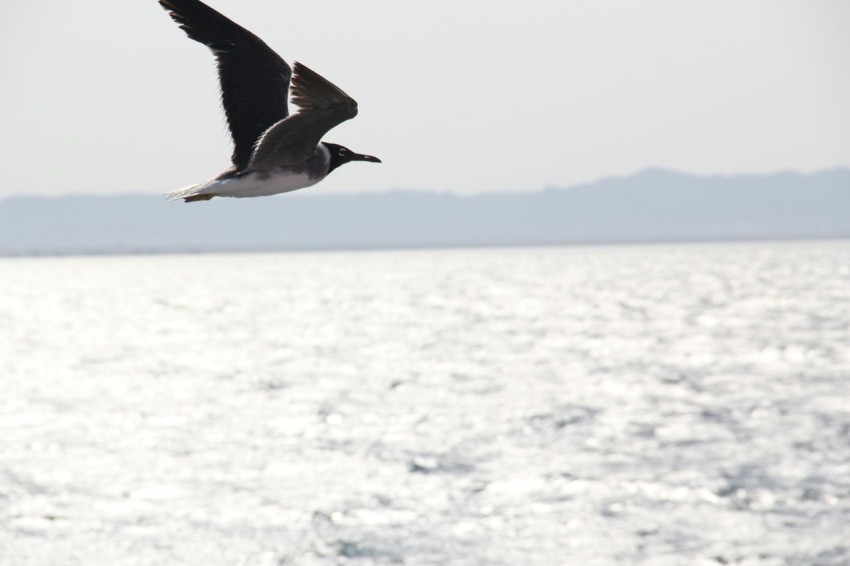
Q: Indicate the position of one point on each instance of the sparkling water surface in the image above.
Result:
(591, 405)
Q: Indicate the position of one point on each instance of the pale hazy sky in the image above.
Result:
(109, 96)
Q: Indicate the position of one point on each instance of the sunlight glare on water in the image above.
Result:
(588, 405)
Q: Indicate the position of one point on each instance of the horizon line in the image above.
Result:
(449, 192)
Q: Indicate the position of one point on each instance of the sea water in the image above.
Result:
(685, 404)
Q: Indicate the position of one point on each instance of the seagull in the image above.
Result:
(273, 151)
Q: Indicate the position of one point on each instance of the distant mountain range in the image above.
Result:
(651, 206)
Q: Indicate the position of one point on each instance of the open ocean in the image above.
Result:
(657, 405)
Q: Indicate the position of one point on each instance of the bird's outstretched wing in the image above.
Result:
(254, 79)
(322, 106)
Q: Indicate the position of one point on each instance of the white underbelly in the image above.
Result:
(259, 185)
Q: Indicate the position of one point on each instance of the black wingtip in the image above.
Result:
(312, 90)
(205, 25)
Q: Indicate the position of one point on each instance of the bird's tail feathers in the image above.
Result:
(192, 193)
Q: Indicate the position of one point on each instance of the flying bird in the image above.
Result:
(273, 151)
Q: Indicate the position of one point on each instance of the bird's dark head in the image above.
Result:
(341, 155)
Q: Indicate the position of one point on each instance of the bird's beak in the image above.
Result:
(361, 157)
